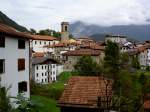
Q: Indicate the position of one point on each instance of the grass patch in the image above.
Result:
(45, 104)
(64, 77)
(139, 72)
(47, 95)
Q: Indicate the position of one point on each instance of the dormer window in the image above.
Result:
(2, 41)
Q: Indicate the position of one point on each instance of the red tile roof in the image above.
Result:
(146, 104)
(38, 54)
(83, 91)
(141, 48)
(82, 52)
(7, 30)
(43, 37)
(61, 45)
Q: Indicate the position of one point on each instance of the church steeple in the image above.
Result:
(64, 32)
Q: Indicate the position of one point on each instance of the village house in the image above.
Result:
(39, 41)
(39, 54)
(85, 40)
(14, 61)
(45, 70)
(86, 94)
(66, 44)
(126, 47)
(116, 38)
(60, 48)
(70, 58)
(142, 52)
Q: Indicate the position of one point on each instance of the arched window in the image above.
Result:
(66, 28)
(22, 87)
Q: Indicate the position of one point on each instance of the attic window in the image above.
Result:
(2, 41)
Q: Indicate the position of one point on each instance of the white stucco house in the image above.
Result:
(148, 58)
(40, 41)
(116, 38)
(126, 47)
(144, 55)
(14, 61)
(45, 70)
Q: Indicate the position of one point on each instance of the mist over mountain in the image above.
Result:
(137, 32)
(97, 32)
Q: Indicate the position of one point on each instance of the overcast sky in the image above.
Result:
(40, 14)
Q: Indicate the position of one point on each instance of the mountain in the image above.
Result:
(6, 20)
(136, 32)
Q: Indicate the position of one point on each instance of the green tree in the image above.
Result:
(142, 79)
(50, 33)
(25, 104)
(124, 61)
(135, 63)
(5, 105)
(126, 87)
(45, 32)
(127, 92)
(56, 34)
(70, 36)
(112, 59)
(32, 31)
(86, 66)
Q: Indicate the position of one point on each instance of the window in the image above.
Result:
(37, 67)
(21, 44)
(40, 42)
(37, 74)
(42, 80)
(45, 43)
(45, 80)
(2, 66)
(53, 73)
(45, 66)
(53, 66)
(22, 87)
(2, 41)
(21, 64)
(66, 29)
(35, 42)
(45, 74)
(49, 43)
(42, 67)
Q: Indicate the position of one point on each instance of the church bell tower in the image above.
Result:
(64, 32)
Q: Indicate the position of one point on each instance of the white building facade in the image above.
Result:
(39, 42)
(45, 70)
(148, 57)
(14, 63)
(116, 39)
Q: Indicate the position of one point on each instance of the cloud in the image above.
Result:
(41, 14)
